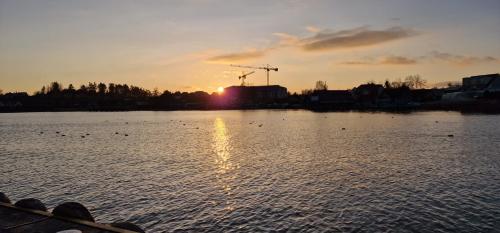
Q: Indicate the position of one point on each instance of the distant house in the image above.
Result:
(331, 99)
(368, 94)
(476, 87)
(488, 82)
(254, 95)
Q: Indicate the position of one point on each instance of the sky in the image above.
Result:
(187, 45)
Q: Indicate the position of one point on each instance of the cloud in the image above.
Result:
(398, 60)
(388, 60)
(357, 63)
(326, 40)
(323, 40)
(287, 39)
(432, 57)
(313, 29)
(461, 60)
(237, 56)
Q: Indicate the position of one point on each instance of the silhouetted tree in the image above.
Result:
(321, 86)
(387, 84)
(415, 81)
(166, 93)
(82, 90)
(55, 87)
(307, 91)
(111, 89)
(92, 88)
(397, 83)
(101, 88)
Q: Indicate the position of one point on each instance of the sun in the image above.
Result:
(220, 90)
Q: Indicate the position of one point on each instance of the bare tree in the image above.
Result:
(307, 91)
(321, 86)
(415, 81)
(397, 83)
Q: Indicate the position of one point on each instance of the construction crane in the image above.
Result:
(267, 68)
(244, 76)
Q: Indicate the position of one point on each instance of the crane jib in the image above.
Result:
(266, 68)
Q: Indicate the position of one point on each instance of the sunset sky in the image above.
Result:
(187, 45)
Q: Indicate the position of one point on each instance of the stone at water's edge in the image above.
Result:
(31, 203)
(4, 198)
(73, 210)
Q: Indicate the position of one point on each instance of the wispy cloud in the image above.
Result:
(326, 40)
(323, 40)
(388, 60)
(398, 60)
(237, 56)
(432, 57)
(461, 60)
(313, 29)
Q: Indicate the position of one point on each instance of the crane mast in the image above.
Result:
(267, 68)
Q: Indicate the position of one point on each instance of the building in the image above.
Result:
(487, 82)
(330, 99)
(476, 87)
(254, 95)
(367, 95)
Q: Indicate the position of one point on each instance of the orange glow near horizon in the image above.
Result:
(343, 43)
(220, 90)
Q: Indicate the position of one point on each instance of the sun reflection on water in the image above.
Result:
(224, 166)
(222, 147)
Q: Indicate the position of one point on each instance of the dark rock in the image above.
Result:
(31, 203)
(73, 210)
(343, 128)
(127, 226)
(4, 198)
(450, 135)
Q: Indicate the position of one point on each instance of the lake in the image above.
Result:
(261, 171)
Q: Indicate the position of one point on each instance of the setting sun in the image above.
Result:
(220, 90)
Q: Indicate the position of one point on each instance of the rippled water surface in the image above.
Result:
(261, 170)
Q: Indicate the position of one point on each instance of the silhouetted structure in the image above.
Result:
(331, 99)
(488, 82)
(479, 93)
(253, 96)
(368, 95)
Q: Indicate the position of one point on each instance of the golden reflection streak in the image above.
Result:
(222, 149)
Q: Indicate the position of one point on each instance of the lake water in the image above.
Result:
(261, 170)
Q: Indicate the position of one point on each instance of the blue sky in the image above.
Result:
(187, 45)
